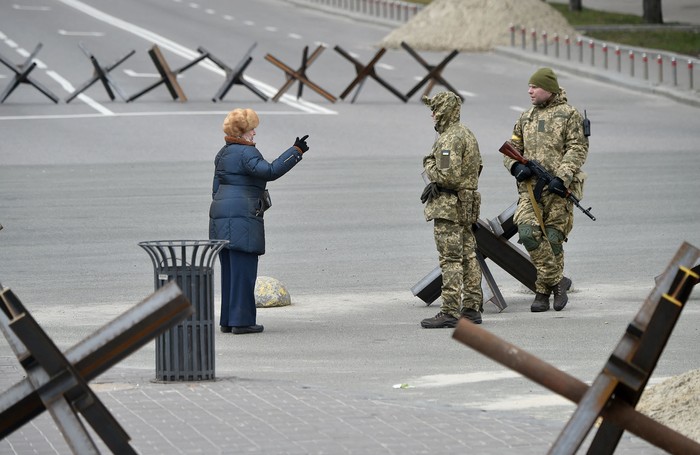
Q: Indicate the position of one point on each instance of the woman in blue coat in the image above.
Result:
(236, 214)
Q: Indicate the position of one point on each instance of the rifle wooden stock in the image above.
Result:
(508, 150)
(542, 175)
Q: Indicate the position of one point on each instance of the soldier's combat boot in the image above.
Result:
(439, 321)
(472, 315)
(560, 297)
(541, 303)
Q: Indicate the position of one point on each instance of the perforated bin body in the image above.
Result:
(186, 351)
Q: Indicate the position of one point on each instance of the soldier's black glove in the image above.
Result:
(301, 144)
(520, 172)
(429, 192)
(556, 186)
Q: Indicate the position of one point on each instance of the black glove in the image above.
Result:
(301, 144)
(520, 172)
(556, 186)
(429, 192)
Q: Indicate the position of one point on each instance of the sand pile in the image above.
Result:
(675, 403)
(477, 25)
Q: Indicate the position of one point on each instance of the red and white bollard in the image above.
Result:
(632, 63)
(690, 74)
(660, 63)
(674, 71)
(544, 42)
(605, 55)
(645, 65)
(579, 43)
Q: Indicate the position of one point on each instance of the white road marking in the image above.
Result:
(31, 8)
(136, 114)
(25, 53)
(67, 33)
(84, 98)
(190, 54)
(133, 73)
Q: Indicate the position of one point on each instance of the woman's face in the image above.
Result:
(248, 136)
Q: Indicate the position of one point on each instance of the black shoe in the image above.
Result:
(247, 329)
(472, 315)
(541, 303)
(560, 297)
(439, 321)
(225, 328)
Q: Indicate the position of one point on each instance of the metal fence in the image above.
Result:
(653, 66)
(385, 10)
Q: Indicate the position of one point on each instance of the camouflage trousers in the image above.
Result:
(546, 249)
(461, 272)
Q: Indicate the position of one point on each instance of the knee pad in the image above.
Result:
(529, 236)
(556, 239)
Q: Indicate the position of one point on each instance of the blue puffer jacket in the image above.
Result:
(240, 176)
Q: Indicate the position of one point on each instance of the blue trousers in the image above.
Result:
(238, 273)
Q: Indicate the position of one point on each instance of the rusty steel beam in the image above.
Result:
(570, 388)
(434, 73)
(651, 338)
(300, 74)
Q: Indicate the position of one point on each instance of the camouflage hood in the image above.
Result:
(558, 98)
(446, 107)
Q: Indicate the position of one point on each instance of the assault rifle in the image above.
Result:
(543, 177)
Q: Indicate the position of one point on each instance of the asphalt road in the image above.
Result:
(82, 183)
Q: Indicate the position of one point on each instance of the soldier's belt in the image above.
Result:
(447, 190)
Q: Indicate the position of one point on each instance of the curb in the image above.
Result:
(684, 96)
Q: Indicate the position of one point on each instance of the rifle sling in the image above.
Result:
(539, 187)
(535, 207)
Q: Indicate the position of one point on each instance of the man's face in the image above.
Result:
(538, 95)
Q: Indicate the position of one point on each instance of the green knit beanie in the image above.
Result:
(545, 78)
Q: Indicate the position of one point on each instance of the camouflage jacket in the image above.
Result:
(552, 134)
(454, 164)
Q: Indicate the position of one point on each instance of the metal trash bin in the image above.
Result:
(185, 352)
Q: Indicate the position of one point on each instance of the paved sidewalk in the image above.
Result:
(236, 415)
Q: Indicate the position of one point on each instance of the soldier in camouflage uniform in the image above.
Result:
(453, 203)
(551, 132)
